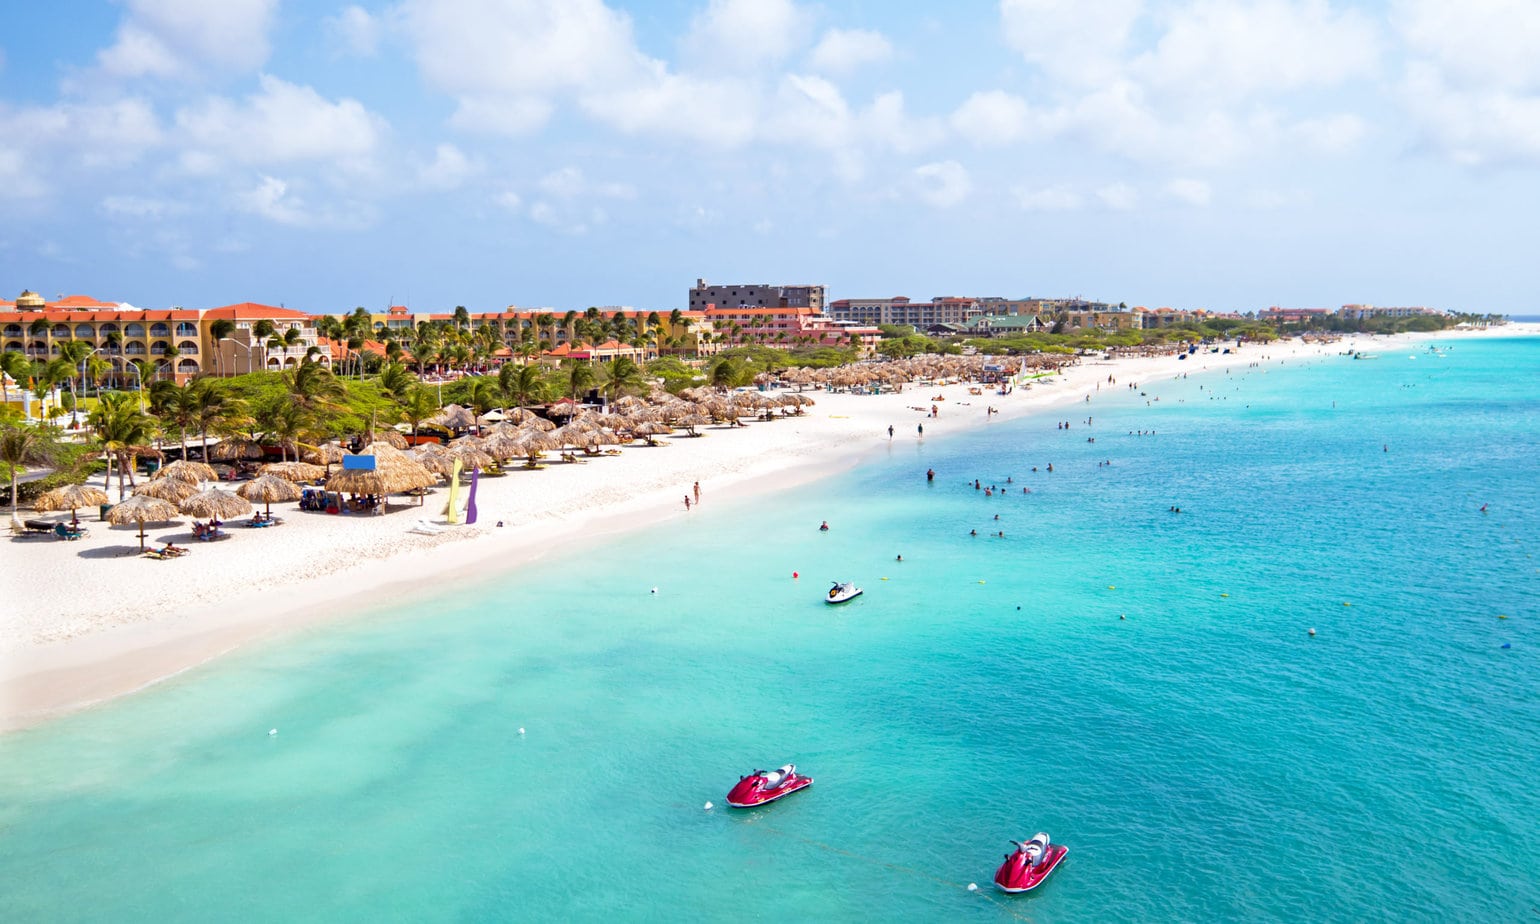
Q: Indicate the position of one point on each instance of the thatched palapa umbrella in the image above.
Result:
(216, 504)
(454, 417)
(167, 489)
(268, 488)
(70, 497)
(394, 471)
(185, 470)
(292, 471)
(237, 447)
(325, 454)
(142, 509)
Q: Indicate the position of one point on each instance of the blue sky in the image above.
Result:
(567, 153)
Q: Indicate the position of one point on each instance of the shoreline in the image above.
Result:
(100, 625)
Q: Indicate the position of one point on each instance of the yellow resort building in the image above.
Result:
(141, 345)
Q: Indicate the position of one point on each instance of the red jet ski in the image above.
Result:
(1026, 869)
(764, 786)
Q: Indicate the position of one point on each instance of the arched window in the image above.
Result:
(13, 345)
(13, 330)
(133, 330)
(272, 362)
(108, 328)
(189, 366)
(61, 330)
(160, 329)
(159, 347)
(84, 331)
(187, 346)
(290, 363)
(133, 348)
(186, 329)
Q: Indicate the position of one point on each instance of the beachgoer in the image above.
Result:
(824, 526)
(930, 474)
(687, 502)
(890, 431)
(973, 532)
(921, 429)
(899, 558)
(697, 492)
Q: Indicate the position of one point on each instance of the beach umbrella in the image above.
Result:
(439, 463)
(237, 447)
(216, 504)
(185, 470)
(167, 489)
(691, 421)
(70, 497)
(142, 509)
(390, 438)
(454, 417)
(566, 407)
(268, 488)
(293, 471)
(325, 454)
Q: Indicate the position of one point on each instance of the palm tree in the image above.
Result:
(41, 328)
(261, 332)
(313, 387)
(176, 405)
(395, 381)
(22, 445)
(285, 423)
(580, 378)
(625, 378)
(15, 365)
(125, 433)
(418, 406)
(462, 318)
(521, 385)
(484, 395)
(219, 329)
(76, 351)
(210, 407)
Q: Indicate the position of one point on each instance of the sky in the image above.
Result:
(566, 153)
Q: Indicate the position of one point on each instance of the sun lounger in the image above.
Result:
(38, 527)
(66, 531)
(424, 528)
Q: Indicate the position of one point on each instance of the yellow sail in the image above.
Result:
(454, 495)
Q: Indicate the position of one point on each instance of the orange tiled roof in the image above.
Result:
(251, 311)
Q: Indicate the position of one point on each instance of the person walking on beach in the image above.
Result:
(697, 492)
(890, 431)
(687, 503)
(921, 429)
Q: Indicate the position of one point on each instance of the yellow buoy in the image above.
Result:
(1345, 603)
(1224, 595)
(981, 582)
(884, 579)
(1112, 587)
(1501, 616)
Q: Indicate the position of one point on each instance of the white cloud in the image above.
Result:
(449, 170)
(1190, 192)
(841, 51)
(732, 34)
(503, 60)
(570, 183)
(943, 184)
(1119, 197)
(1077, 42)
(1330, 134)
(1051, 199)
(17, 181)
(271, 200)
(992, 117)
(355, 31)
(1225, 51)
(282, 123)
(173, 38)
(1472, 81)
(720, 113)
(509, 200)
(1482, 45)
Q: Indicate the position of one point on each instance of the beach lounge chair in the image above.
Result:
(38, 527)
(66, 531)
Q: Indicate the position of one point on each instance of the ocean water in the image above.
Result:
(1139, 683)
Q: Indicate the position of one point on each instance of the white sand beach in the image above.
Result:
(89, 620)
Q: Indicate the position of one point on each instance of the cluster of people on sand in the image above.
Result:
(696, 491)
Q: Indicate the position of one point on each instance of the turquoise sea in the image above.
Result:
(1139, 683)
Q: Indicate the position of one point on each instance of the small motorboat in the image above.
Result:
(764, 786)
(1026, 869)
(841, 592)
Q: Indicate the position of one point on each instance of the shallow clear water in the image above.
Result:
(1204, 758)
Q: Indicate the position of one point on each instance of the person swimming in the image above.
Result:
(824, 526)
